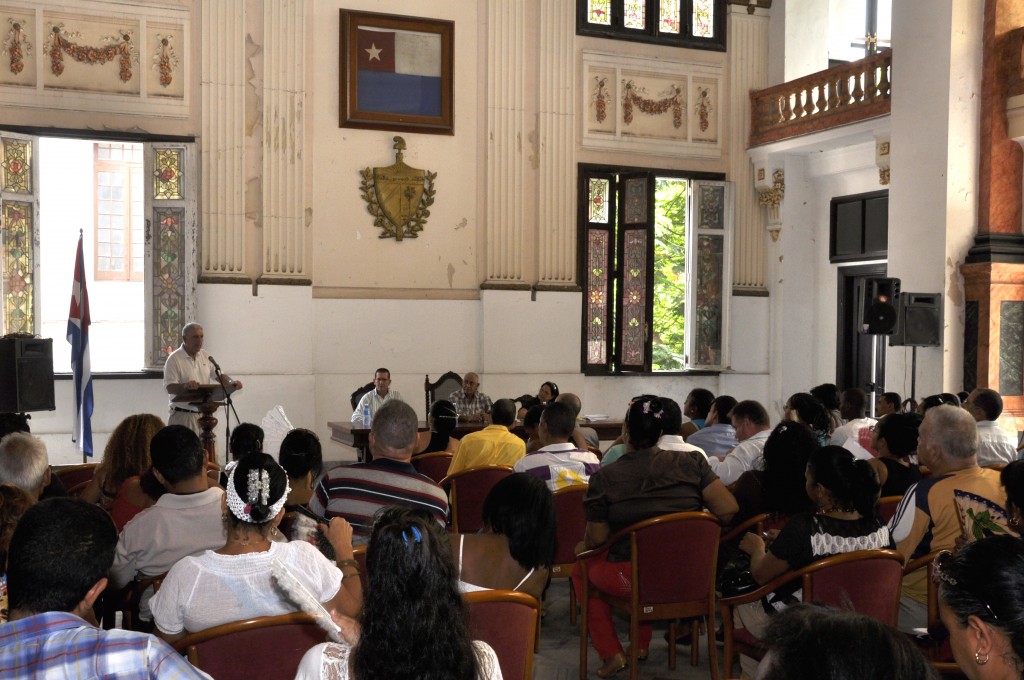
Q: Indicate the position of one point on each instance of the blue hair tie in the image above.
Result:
(416, 534)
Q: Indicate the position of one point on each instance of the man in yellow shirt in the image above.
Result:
(493, 445)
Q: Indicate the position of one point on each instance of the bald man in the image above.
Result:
(473, 405)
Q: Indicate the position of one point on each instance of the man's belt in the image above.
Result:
(184, 410)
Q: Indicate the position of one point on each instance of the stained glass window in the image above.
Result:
(599, 12)
(708, 321)
(703, 18)
(634, 299)
(168, 282)
(633, 14)
(669, 16)
(597, 301)
(636, 201)
(167, 174)
(598, 200)
(16, 242)
(16, 163)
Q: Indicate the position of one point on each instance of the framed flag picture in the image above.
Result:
(396, 73)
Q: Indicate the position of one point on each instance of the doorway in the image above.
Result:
(853, 348)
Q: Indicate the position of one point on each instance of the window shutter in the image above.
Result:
(710, 256)
(633, 316)
(597, 217)
(19, 232)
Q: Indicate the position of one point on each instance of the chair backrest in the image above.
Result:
(507, 621)
(434, 465)
(571, 524)
(359, 554)
(887, 507)
(75, 478)
(467, 490)
(358, 394)
(667, 546)
(440, 388)
(267, 647)
(864, 581)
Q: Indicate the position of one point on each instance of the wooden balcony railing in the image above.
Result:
(838, 96)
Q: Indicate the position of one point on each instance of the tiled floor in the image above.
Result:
(558, 657)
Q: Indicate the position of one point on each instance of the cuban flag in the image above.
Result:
(78, 336)
(399, 72)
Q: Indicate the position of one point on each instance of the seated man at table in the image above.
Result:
(493, 445)
(473, 405)
(559, 462)
(357, 492)
(377, 397)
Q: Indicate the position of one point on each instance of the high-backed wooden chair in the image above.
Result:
(440, 388)
(74, 478)
(358, 394)
(508, 621)
(673, 558)
(434, 465)
(571, 525)
(467, 490)
(864, 581)
(268, 647)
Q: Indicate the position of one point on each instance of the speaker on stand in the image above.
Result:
(918, 324)
(26, 374)
(879, 304)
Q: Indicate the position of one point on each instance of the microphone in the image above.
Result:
(214, 362)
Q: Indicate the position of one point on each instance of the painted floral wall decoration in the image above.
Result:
(164, 59)
(61, 41)
(17, 45)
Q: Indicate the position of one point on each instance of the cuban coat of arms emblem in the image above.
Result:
(398, 196)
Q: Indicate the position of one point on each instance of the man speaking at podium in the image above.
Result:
(186, 369)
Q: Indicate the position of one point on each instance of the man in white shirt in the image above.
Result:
(752, 429)
(377, 397)
(186, 520)
(559, 462)
(996, 446)
(853, 407)
(185, 370)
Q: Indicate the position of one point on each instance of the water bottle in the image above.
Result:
(366, 416)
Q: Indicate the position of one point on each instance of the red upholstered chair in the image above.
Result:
(864, 581)
(935, 646)
(571, 525)
(267, 647)
(434, 465)
(674, 566)
(467, 490)
(359, 554)
(508, 621)
(75, 478)
(887, 507)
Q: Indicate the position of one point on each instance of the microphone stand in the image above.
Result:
(227, 412)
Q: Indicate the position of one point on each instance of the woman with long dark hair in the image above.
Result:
(894, 439)
(413, 624)
(441, 422)
(780, 486)
(807, 409)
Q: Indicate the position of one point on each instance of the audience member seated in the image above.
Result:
(559, 462)
(806, 409)
(517, 545)
(56, 570)
(854, 409)
(357, 492)
(844, 491)
(126, 455)
(671, 440)
(441, 420)
(859, 647)
(18, 422)
(14, 501)
(246, 439)
(644, 483)
(235, 582)
(531, 425)
(493, 445)
(24, 463)
(302, 459)
(583, 436)
(752, 429)
(185, 521)
(696, 407)
(717, 437)
(376, 398)
(894, 439)
(934, 400)
(134, 496)
(888, 402)
(780, 486)
(1012, 479)
(547, 393)
(472, 405)
(828, 395)
(414, 623)
(930, 516)
(981, 604)
(996, 446)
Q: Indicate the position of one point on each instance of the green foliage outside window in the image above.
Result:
(668, 345)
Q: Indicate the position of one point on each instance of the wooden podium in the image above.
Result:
(207, 399)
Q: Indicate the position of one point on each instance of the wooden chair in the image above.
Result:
(864, 581)
(571, 525)
(508, 621)
(434, 465)
(268, 647)
(74, 478)
(935, 646)
(359, 554)
(358, 394)
(887, 507)
(440, 388)
(674, 566)
(467, 490)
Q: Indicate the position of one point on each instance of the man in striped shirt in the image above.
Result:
(559, 462)
(357, 492)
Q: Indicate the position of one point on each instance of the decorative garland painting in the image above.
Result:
(118, 47)
(164, 59)
(671, 99)
(17, 45)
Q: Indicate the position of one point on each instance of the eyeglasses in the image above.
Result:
(940, 575)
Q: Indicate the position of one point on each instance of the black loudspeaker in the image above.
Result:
(881, 297)
(919, 320)
(26, 374)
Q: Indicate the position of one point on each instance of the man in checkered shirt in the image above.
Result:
(473, 405)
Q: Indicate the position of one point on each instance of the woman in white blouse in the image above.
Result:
(414, 622)
(235, 582)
